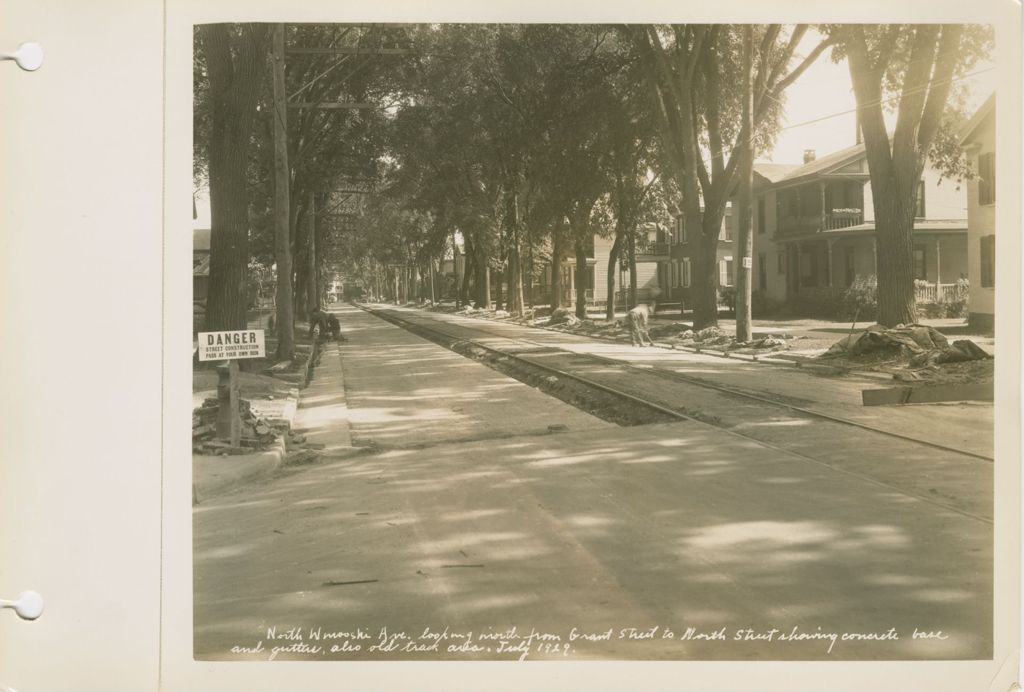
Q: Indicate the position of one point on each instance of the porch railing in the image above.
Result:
(939, 293)
(843, 219)
(645, 246)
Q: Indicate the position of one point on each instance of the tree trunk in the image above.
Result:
(581, 278)
(613, 258)
(894, 230)
(514, 294)
(282, 232)
(499, 292)
(705, 274)
(528, 271)
(235, 83)
(631, 251)
(483, 279)
(745, 241)
(515, 285)
(556, 263)
(455, 272)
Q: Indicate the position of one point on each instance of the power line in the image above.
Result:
(891, 99)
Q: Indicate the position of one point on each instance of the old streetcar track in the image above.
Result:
(513, 359)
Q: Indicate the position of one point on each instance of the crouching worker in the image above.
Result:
(334, 328)
(318, 324)
(637, 321)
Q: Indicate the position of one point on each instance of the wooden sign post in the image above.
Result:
(229, 347)
(229, 422)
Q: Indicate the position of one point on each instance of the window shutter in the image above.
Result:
(988, 256)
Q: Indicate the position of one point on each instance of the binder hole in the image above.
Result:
(29, 606)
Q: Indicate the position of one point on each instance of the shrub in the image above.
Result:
(860, 300)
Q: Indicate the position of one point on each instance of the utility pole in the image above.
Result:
(312, 289)
(745, 239)
(282, 183)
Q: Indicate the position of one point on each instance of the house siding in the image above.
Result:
(981, 223)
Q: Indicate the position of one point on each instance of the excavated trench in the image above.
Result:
(596, 401)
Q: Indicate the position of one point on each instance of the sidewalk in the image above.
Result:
(323, 415)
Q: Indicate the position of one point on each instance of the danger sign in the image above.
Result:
(245, 343)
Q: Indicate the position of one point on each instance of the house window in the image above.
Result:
(987, 178)
(725, 272)
(760, 214)
(849, 265)
(781, 269)
(686, 272)
(920, 200)
(762, 271)
(988, 261)
(726, 232)
(920, 266)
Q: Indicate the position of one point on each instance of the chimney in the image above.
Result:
(809, 155)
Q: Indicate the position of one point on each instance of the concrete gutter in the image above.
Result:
(216, 475)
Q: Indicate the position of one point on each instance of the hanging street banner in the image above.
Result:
(245, 343)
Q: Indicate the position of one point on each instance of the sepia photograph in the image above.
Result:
(524, 342)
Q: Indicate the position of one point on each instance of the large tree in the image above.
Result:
(692, 70)
(235, 57)
(909, 69)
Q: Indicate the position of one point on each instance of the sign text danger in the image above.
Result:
(245, 343)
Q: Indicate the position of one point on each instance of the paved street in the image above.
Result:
(469, 518)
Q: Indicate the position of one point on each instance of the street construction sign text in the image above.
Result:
(246, 343)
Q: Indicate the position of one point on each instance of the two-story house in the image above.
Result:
(979, 141)
(814, 230)
(676, 275)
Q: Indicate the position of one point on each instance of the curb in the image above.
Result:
(233, 471)
(216, 475)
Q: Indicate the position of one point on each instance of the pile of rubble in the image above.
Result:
(716, 338)
(257, 432)
(921, 350)
(918, 345)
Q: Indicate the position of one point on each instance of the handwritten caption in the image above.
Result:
(521, 644)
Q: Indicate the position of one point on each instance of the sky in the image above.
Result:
(824, 90)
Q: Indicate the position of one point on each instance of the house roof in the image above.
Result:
(773, 172)
(825, 164)
(924, 225)
(987, 109)
(201, 240)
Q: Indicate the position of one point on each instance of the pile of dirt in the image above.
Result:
(256, 432)
(563, 316)
(913, 353)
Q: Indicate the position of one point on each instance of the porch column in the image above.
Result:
(874, 254)
(938, 262)
(798, 249)
(829, 267)
(822, 186)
